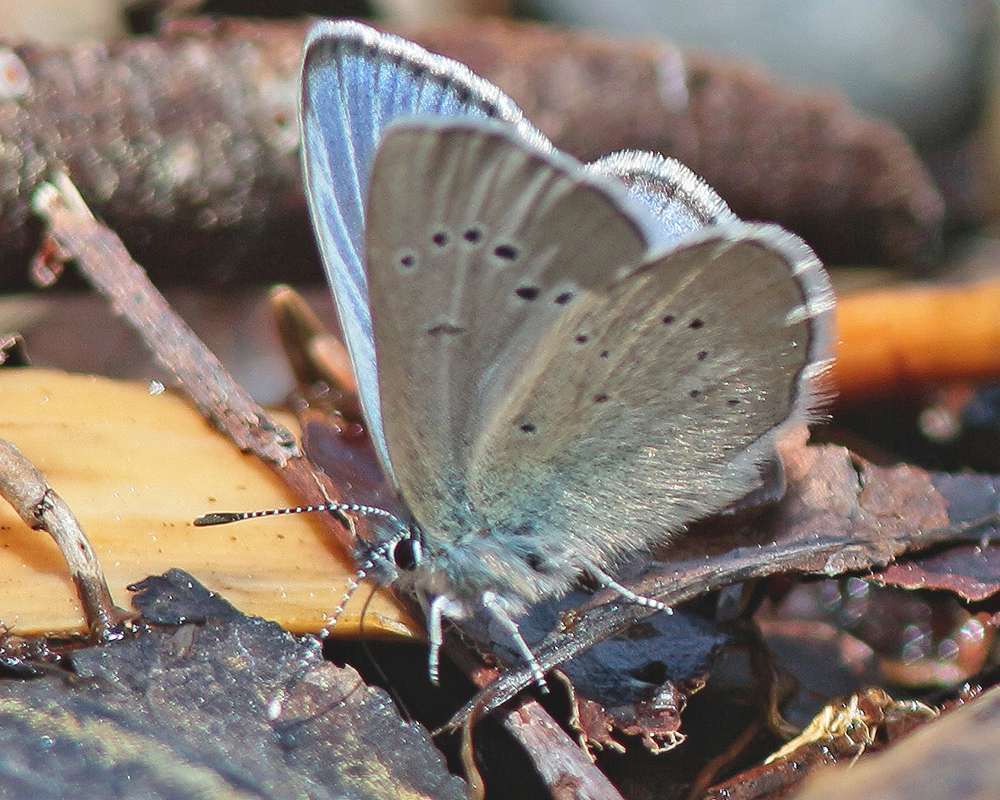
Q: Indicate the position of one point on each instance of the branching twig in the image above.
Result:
(25, 488)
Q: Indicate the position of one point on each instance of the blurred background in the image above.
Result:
(924, 64)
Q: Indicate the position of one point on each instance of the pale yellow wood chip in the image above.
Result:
(136, 468)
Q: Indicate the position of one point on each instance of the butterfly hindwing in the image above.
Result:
(650, 404)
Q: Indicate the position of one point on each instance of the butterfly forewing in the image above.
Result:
(355, 82)
(477, 245)
(650, 406)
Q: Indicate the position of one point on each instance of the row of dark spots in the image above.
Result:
(697, 393)
(582, 338)
(530, 293)
(530, 427)
(471, 235)
(441, 239)
(696, 324)
(504, 251)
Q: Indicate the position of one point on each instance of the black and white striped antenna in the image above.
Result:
(225, 517)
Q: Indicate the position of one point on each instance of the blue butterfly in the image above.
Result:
(560, 365)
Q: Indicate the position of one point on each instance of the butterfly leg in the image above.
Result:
(608, 582)
(495, 607)
(441, 606)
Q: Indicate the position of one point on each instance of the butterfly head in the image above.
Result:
(395, 554)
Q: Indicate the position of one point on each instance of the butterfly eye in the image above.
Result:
(407, 553)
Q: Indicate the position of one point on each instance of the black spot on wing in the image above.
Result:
(506, 252)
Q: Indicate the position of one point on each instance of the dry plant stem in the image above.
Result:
(26, 489)
(708, 773)
(561, 763)
(297, 326)
(314, 354)
(103, 260)
(897, 339)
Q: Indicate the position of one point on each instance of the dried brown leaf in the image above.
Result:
(970, 571)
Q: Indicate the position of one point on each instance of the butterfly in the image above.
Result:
(560, 365)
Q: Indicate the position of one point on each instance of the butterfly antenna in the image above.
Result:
(353, 584)
(225, 517)
(352, 587)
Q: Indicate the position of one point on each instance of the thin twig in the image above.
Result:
(27, 490)
(561, 763)
(103, 260)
